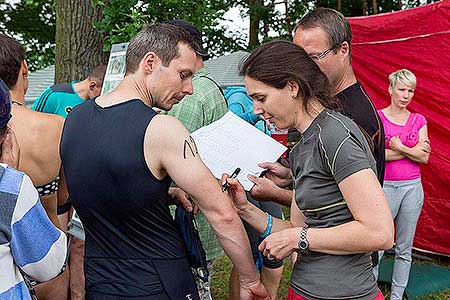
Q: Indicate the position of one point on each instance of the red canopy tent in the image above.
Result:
(417, 39)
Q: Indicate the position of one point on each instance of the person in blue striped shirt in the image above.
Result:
(29, 242)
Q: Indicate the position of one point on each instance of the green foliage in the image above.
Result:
(123, 19)
(32, 22)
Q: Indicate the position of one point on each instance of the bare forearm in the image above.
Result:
(258, 219)
(50, 205)
(231, 235)
(416, 154)
(284, 197)
(392, 155)
(349, 238)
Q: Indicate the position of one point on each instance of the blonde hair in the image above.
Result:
(403, 76)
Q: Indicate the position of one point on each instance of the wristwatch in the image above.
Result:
(303, 244)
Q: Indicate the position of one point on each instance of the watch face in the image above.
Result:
(303, 245)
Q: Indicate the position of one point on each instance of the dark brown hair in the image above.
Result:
(98, 73)
(160, 38)
(276, 63)
(12, 55)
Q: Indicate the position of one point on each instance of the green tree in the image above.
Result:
(32, 22)
(122, 19)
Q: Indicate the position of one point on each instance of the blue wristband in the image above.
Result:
(268, 227)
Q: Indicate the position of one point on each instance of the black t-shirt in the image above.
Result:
(355, 103)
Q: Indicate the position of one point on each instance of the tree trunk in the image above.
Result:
(364, 7)
(399, 4)
(255, 6)
(375, 7)
(339, 5)
(78, 45)
(288, 17)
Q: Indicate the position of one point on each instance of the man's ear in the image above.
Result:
(92, 85)
(24, 69)
(149, 62)
(345, 49)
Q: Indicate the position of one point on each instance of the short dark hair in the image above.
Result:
(332, 22)
(278, 62)
(98, 73)
(161, 38)
(12, 55)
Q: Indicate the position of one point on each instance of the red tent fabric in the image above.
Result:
(417, 39)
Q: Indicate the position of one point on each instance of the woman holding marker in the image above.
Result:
(339, 214)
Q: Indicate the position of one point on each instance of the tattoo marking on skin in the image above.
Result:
(191, 146)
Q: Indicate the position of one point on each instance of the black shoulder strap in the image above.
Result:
(218, 86)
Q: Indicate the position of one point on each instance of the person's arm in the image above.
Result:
(372, 228)
(38, 247)
(169, 150)
(251, 214)
(392, 155)
(420, 153)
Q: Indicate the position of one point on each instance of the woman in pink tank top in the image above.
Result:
(407, 146)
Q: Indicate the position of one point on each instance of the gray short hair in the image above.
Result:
(332, 22)
(160, 38)
(403, 76)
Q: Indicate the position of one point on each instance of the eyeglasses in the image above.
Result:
(321, 55)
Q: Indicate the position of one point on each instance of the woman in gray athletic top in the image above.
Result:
(340, 213)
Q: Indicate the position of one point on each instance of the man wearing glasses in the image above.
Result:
(326, 36)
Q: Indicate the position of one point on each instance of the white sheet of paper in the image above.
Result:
(231, 143)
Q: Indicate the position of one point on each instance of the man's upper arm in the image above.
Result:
(169, 149)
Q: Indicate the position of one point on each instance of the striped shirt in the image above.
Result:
(28, 240)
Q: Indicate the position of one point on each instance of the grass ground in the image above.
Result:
(222, 269)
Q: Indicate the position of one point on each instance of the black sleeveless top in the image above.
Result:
(122, 205)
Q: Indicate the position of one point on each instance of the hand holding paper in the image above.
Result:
(231, 143)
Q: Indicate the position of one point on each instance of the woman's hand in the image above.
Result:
(236, 191)
(396, 144)
(280, 244)
(276, 172)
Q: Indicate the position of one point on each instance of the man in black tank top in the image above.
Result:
(120, 157)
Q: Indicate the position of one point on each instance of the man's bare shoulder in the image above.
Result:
(164, 125)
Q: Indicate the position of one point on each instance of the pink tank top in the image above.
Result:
(403, 169)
